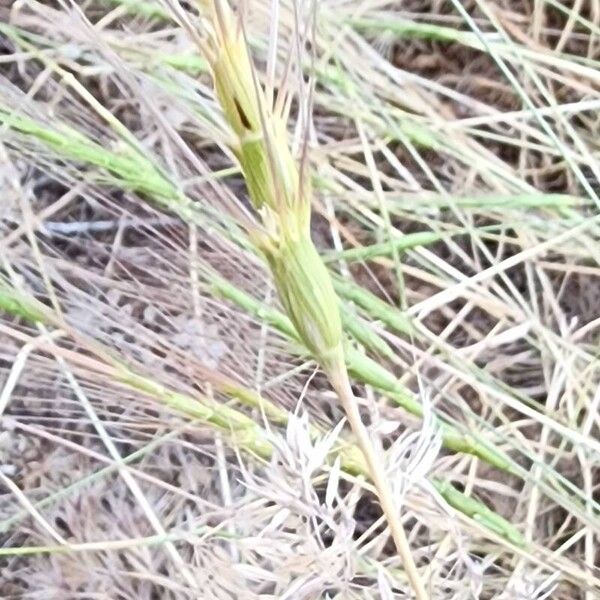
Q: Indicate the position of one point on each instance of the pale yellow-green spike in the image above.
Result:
(301, 278)
(274, 185)
(261, 144)
(306, 292)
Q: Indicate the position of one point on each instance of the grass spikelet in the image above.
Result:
(276, 189)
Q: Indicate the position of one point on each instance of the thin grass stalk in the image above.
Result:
(280, 192)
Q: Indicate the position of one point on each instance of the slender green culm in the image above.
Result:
(244, 432)
(131, 168)
(15, 303)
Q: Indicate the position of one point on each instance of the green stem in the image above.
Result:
(238, 427)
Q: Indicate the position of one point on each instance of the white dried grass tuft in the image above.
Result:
(412, 455)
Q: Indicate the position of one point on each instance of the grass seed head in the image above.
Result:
(260, 141)
(276, 189)
(307, 295)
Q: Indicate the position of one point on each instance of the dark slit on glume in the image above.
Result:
(242, 115)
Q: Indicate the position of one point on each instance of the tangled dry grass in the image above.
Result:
(164, 434)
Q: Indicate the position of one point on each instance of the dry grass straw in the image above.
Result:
(506, 363)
